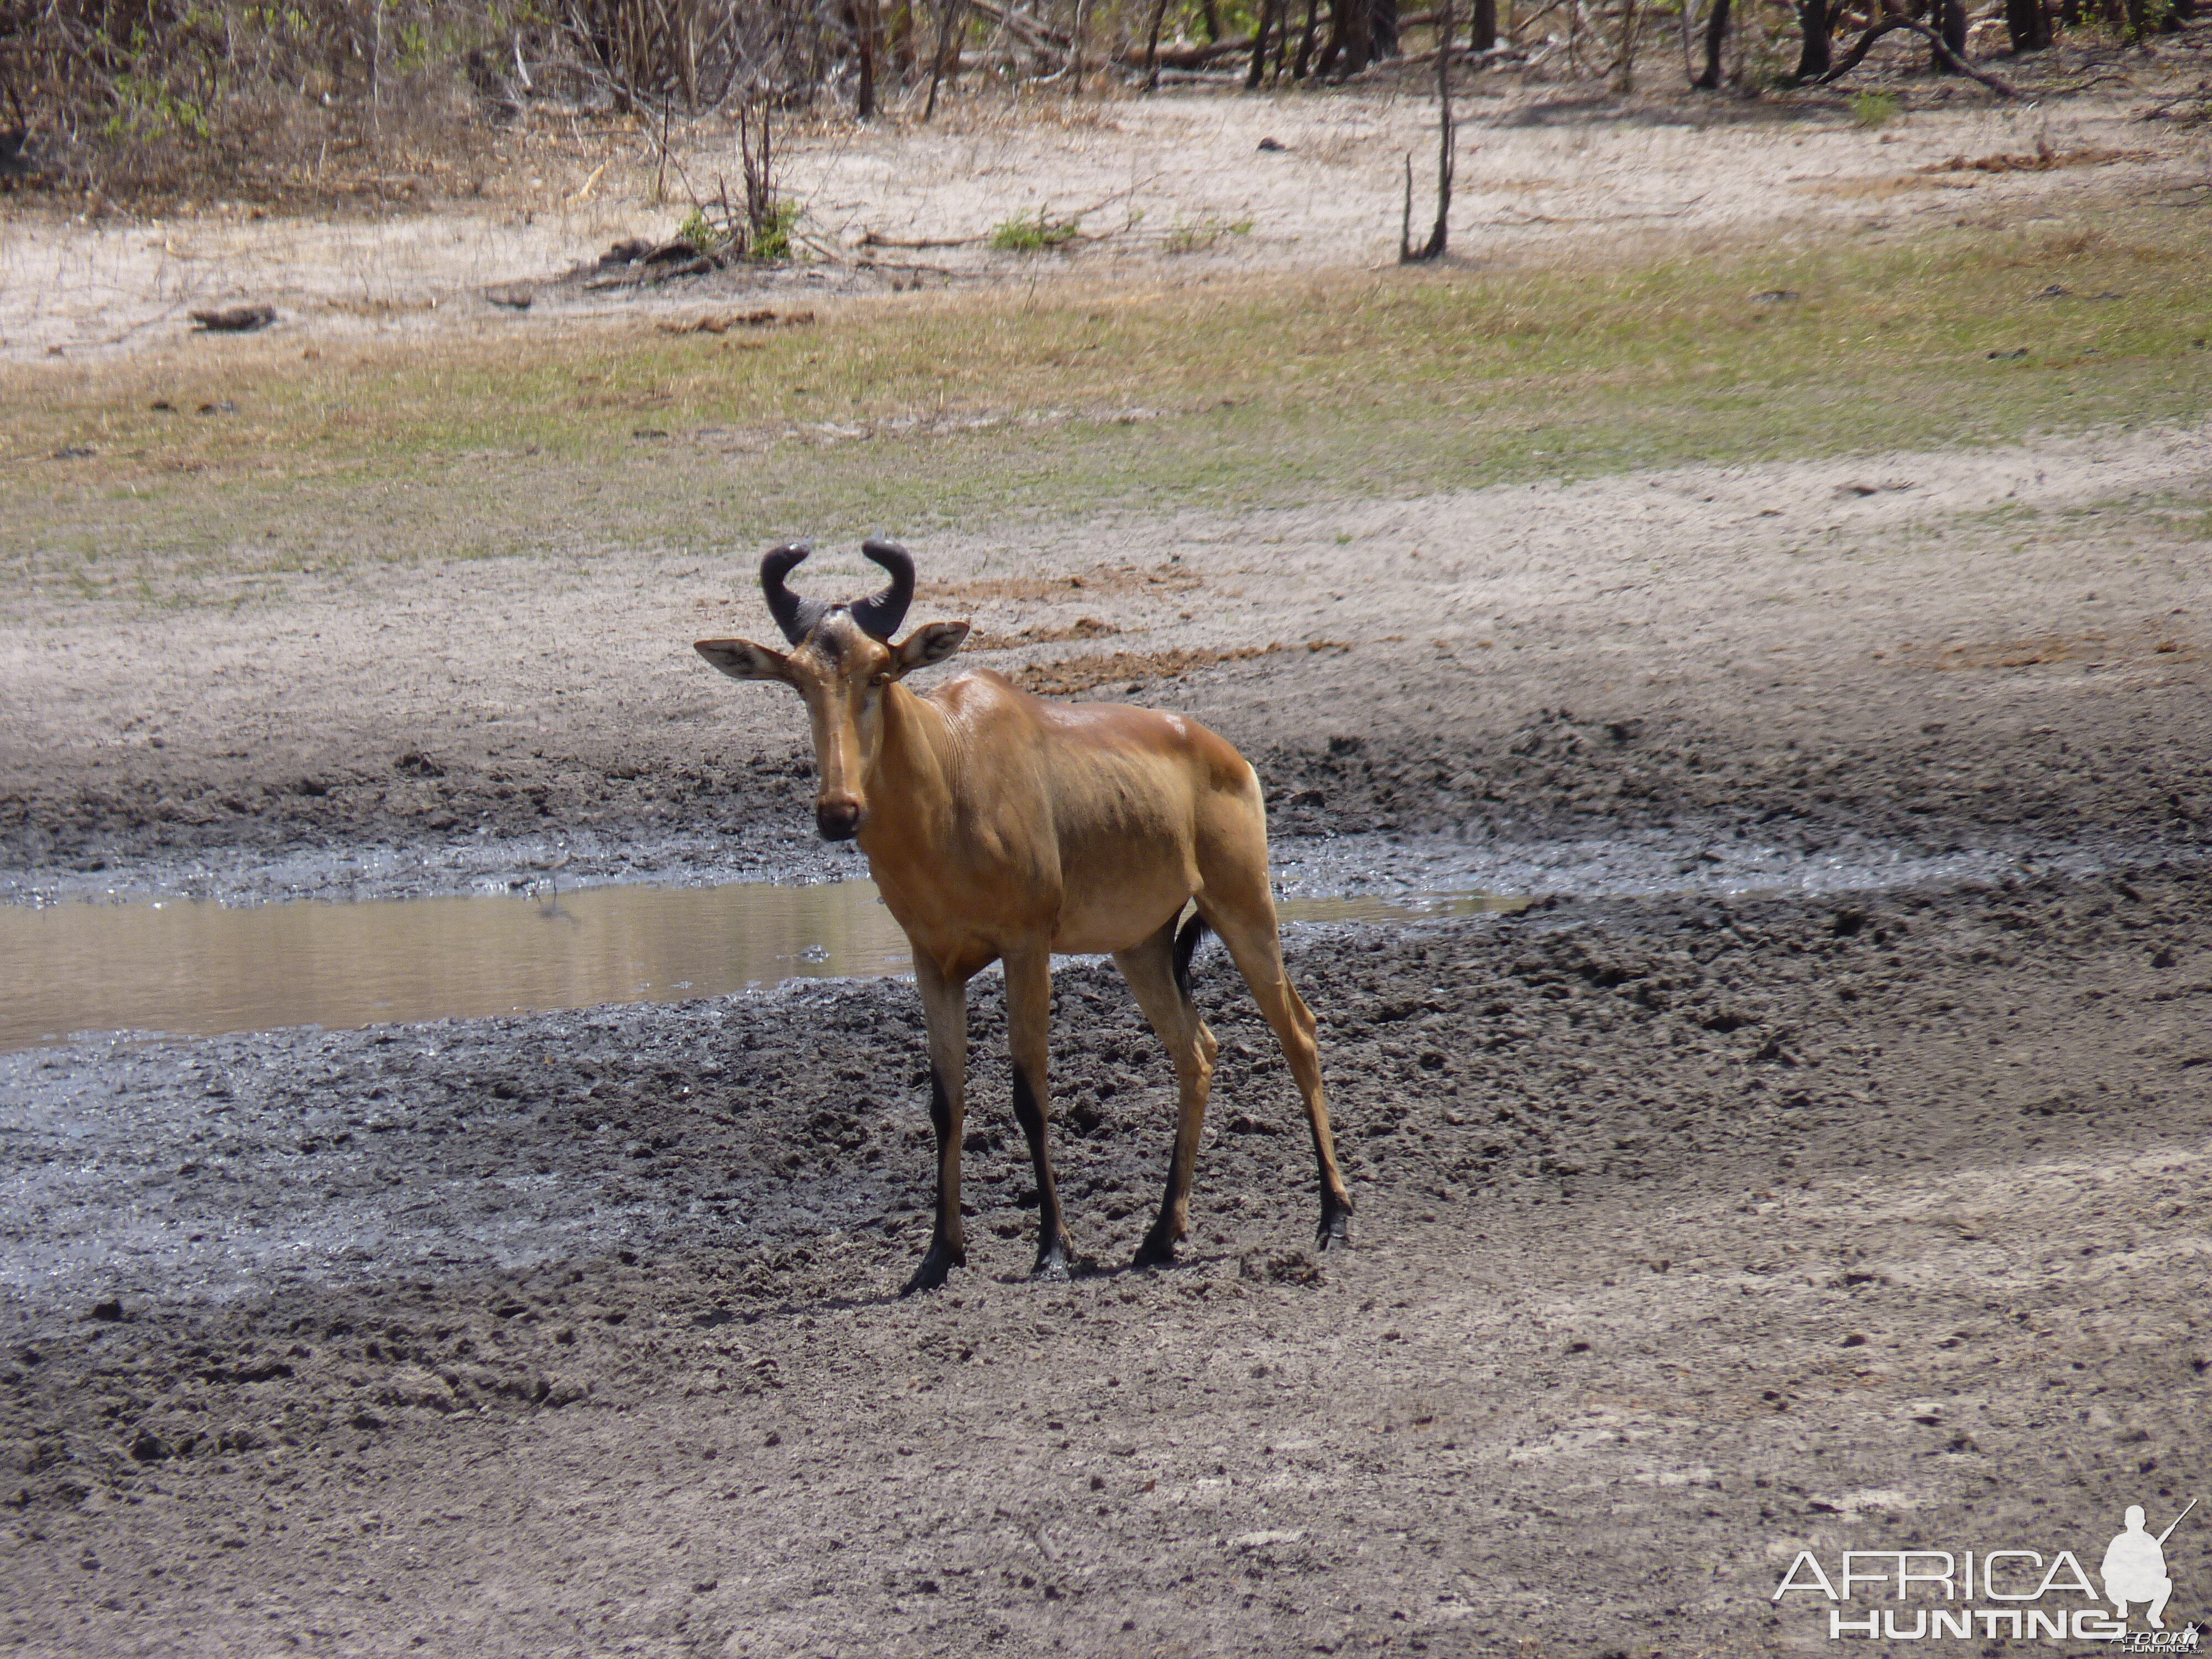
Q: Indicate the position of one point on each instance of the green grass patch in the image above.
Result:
(1874, 109)
(1034, 233)
(984, 410)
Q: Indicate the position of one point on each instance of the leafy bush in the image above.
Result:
(700, 233)
(772, 237)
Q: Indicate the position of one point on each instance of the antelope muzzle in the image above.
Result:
(838, 818)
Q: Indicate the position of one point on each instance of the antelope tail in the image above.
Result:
(1186, 946)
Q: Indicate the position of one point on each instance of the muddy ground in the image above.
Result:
(1935, 649)
(1690, 1234)
(1693, 1230)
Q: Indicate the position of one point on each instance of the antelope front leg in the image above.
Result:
(1028, 1031)
(945, 1007)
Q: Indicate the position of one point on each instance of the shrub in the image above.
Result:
(1874, 109)
(1034, 233)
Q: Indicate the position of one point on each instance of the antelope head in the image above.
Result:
(842, 662)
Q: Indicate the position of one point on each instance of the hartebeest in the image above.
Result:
(1000, 828)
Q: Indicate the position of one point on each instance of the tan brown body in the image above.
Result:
(1001, 828)
(996, 821)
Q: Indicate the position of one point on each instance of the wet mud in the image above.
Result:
(1686, 1226)
(89, 962)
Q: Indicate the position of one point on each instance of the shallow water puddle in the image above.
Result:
(196, 967)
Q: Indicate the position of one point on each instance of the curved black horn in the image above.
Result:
(880, 616)
(795, 615)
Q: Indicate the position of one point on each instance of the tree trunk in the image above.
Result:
(1624, 65)
(1951, 23)
(1381, 29)
(1306, 43)
(1211, 20)
(1438, 233)
(2028, 24)
(864, 26)
(948, 20)
(1268, 9)
(687, 56)
(1152, 47)
(1486, 24)
(1717, 25)
(1813, 60)
(1349, 37)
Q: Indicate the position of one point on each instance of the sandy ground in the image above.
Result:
(1168, 187)
(1913, 647)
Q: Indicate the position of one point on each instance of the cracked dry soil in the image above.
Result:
(1692, 1233)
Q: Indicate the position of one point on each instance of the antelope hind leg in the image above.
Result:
(1253, 941)
(1149, 969)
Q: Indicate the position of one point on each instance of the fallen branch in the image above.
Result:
(238, 319)
(1033, 30)
(906, 266)
(1181, 57)
(1521, 26)
(1995, 83)
(2161, 111)
(1483, 60)
(876, 239)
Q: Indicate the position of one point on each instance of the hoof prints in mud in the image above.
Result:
(1620, 1041)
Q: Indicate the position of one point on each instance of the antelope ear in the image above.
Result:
(932, 642)
(741, 659)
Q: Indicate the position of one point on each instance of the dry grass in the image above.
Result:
(1878, 188)
(1082, 628)
(982, 407)
(2097, 648)
(2043, 160)
(1134, 669)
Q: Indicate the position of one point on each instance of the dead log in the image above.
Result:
(1184, 57)
(1937, 43)
(235, 319)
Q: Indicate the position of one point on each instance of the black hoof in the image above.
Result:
(1335, 1232)
(934, 1266)
(1156, 1251)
